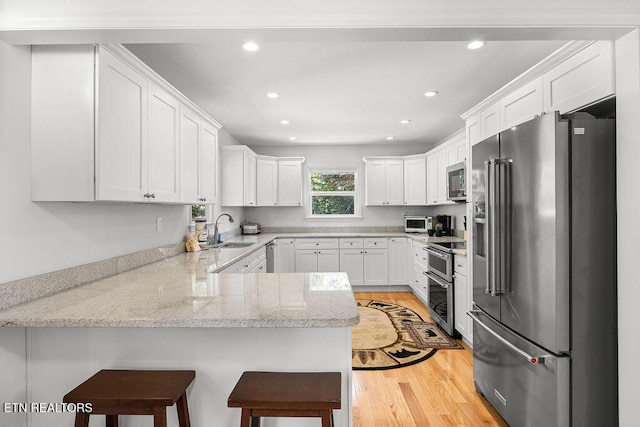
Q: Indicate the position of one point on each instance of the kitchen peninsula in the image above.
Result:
(179, 313)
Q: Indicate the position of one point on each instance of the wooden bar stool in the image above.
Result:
(286, 394)
(126, 392)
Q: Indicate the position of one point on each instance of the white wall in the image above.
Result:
(628, 195)
(41, 237)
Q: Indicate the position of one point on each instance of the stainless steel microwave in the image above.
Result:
(415, 224)
(456, 185)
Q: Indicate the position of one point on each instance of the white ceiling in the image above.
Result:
(339, 90)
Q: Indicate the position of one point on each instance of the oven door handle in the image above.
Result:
(437, 254)
(436, 279)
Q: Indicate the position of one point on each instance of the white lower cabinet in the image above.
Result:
(285, 256)
(376, 266)
(352, 263)
(321, 260)
(398, 265)
(420, 267)
(461, 304)
(419, 284)
(255, 262)
(317, 255)
(365, 260)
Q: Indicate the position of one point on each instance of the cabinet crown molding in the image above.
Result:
(547, 64)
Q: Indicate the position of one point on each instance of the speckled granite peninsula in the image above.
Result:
(178, 313)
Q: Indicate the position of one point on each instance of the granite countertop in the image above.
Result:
(182, 291)
(186, 290)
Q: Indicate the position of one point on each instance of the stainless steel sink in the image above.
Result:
(232, 245)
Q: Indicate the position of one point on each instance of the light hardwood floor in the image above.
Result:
(436, 392)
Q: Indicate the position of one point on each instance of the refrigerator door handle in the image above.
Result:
(534, 360)
(489, 246)
(503, 222)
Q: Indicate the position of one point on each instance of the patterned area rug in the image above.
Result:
(381, 341)
(429, 335)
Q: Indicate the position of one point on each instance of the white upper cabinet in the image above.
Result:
(582, 79)
(112, 125)
(415, 181)
(490, 121)
(521, 105)
(290, 182)
(384, 181)
(208, 164)
(249, 179)
(238, 176)
(267, 182)
(121, 136)
(163, 145)
(198, 159)
(437, 176)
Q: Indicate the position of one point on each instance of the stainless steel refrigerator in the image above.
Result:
(544, 272)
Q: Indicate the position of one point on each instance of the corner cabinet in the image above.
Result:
(109, 122)
(384, 184)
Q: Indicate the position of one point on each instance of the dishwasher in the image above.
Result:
(271, 252)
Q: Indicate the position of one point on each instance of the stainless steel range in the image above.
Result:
(440, 282)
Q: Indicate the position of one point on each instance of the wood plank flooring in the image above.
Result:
(436, 392)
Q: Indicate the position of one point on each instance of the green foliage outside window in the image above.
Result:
(332, 193)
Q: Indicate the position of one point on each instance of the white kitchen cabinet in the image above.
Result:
(456, 150)
(415, 181)
(376, 266)
(398, 255)
(419, 284)
(384, 181)
(473, 129)
(490, 121)
(121, 141)
(582, 79)
(365, 260)
(317, 255)
(290, 182)
(460, 296)
(352, 263)
(420, 255)
(198, 159)
(285, 256)
(109, 122)
(266, 181)
(261, 267)
(437, 177)
(321, 260)
(521, 105)
(163, 145)
(238, 176)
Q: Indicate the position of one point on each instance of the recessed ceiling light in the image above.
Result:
(292, 138)
(405, 121)
(431, 93)
(476, 44)
(284, 122)
(389, 138)
(251, 46)
(272, 95)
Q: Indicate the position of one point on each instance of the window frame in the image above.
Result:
(355, 193)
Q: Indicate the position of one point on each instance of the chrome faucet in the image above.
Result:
(215, 228)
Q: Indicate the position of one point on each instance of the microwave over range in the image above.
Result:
(456, 184)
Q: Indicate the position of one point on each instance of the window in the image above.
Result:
(333, 194)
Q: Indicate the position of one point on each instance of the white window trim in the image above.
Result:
(357, 211)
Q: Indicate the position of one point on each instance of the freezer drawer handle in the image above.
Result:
(534, 360)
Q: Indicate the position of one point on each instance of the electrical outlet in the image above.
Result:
(158, 223)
